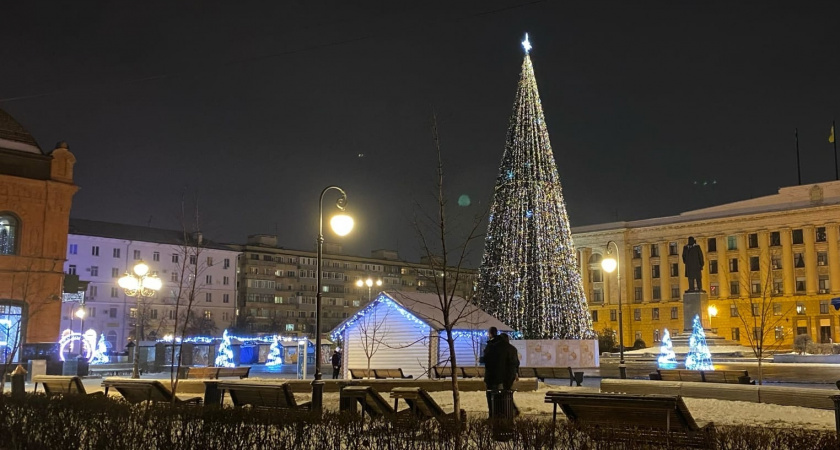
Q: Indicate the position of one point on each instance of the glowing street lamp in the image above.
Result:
(140, 284)
(713, 312)
(341, 224)
(610, 264)
(80, 314)
(369, 283)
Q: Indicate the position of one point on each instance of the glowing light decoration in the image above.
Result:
(224, 357)
(99, 356)
(381, 300)
(698, 357)
(667, 357)
(529, 277)
(87, 344)
(273, 358)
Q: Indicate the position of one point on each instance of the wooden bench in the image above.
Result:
(139, 391)
(703, 376)
(472, 372)
(210, 373)
(382, 374)
(633, 418)
(61, 385)
(557, 373)
(266, 396)
(115, 369)
(369, 399)
(241, 372)
(358, 374)
(442, 372)
(423, 406)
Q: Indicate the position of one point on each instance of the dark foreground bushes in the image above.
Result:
(87, 423)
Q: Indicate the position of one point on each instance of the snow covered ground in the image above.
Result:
(721, 412)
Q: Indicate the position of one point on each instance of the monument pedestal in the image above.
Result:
(695, 304)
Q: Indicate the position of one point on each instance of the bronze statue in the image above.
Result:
(692, 257)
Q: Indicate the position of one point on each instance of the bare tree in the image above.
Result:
(759, 312)
(373, 332)
(446, 253)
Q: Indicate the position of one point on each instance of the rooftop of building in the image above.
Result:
(786, 199)
(84, 227)
(13, 136)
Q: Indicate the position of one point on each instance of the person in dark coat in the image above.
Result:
(493, 360)
(336, 363)
(510, 362)
(692, 257)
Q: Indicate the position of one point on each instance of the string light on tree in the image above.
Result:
(99, 353)
(667, 357)
(699, 357)
(224, 357)
(273, 358)
(529, 277)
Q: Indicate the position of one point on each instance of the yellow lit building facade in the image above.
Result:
(780, 252)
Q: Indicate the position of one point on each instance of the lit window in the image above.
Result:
(8, 234)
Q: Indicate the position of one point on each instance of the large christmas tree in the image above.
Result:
(529, 278)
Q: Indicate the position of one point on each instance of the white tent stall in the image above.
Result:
(405, 330)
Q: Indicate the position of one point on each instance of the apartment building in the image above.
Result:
(102, 252)
(278, 286)
(782, 248)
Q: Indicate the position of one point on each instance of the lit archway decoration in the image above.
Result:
(87, 344)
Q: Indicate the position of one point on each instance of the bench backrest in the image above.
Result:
(138, 391)
(370, 400)
(203, 372)
(527, 372)
(623, 410)
(260, 396)
(681, 375)
(443, 371)
(358, 374)
(419, 400)
(56, 384)
(472, 372)
(241, 372)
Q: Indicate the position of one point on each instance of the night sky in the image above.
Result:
(654, 107)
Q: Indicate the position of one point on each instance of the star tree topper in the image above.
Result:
(526, 44)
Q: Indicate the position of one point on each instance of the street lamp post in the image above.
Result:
(80, 313)
(341, 224)
(139, 284)
(369, 283)
(610, 264)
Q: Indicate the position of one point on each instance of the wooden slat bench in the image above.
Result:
(267, 395)
(115, 369)
(358, 374)
(61, 385)
(382, 374)
(557, 373)
(423, 406)
(633, 418)
(209, 373)
(472, 372)
(369, 399)
(139, 391)
(442, 371)
(707, 376)
(241, 372)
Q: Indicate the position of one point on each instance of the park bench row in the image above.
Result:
(381, 374)
(540, 373)
(703, 376)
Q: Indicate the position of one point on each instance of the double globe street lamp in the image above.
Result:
(139, 284)
(369, 283)
(341, 224)
(610, 264)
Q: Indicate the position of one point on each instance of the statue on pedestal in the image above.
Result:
(692, 257)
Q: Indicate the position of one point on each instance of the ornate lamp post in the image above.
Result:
(369, 283)
(610, 264)
(139, 284)
(341, 224)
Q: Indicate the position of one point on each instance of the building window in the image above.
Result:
(756, 287)
(71, 269)
(672, 248)
(822, 258)
(208, 297)
(755, 264)
(612, 315)
(175, 258)
(290, 327)
(675, 269)
(637, 294)
(797, 237)
(74, 249)
(713, 290)
(594, 316)
(734, 288)
(775, 239)
(736, 334)
(654, 250)
(654, 314)
(173, 276)
(209, 261)
(115, 292)
(654, 270)
(115, 272)
(112, 313)
(655, 335)
(597, 296)
(798, 260)
(208, 315)
(820, 234)
(226, 263)
(824, 286)
(823, 306)
(756, 309)
(675, 291)
(637, 314)
(156, 256)
(800, 284)
(713, 268)
(712, 245)
(800, 308)
(116, 253)
(225, 281)
(752, 240)
(208, 279)
(132, 313)
(732, 243)
(657, 293)
(637, 272)
(94, 271)
(225, 298)
(193, 260)
(777, 309)
(733, 265)
(637, 251)
(8, 234)
(153, 314)
(733, 311)
(778, 286)
(136, 255)
(675, 313)
(780, 333)
(597, 275)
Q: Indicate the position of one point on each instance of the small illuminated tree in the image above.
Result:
(273, 358)
(699, 357)
(224, 357)
(99, 356)
(667, 358)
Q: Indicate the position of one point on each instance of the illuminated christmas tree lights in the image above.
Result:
(698, 357)
(529, 277)
(273, 358)
(224, 357)
(99, 356)
(667, 358)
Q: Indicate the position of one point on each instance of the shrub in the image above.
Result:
(800, 343)
(639, 344)
(606, 340)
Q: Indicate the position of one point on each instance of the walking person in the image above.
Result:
(336, 363)
(493, 368)
(510, 367)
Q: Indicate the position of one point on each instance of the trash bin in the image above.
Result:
(36, 367)
(503, 412)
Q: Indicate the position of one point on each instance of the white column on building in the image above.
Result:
(833, 256)
(789, 281)
(811, 277)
